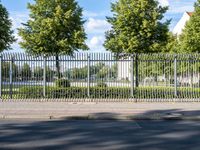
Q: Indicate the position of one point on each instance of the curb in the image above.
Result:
(93, 117)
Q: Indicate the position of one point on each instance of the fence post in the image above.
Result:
(132, 76)
(11, 77)
(175, 76)
(44, 76)
(88, 78)
(0, 76)
(136, 71)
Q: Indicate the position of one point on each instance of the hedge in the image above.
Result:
(105, 92)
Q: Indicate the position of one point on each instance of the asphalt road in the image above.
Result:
(99, 135)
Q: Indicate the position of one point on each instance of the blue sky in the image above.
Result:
(94, 12)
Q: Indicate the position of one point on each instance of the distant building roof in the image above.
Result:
(190, 13)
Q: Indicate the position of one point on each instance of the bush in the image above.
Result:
(62, 83)
(108, 92)
(70, 93)
(101, 84)
(30, 92)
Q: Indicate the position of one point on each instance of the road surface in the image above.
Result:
(99, 135)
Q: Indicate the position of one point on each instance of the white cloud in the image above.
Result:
(97, 25)
(96, 43)
(17, 19)
(164, 2)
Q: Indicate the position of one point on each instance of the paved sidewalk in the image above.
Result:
(60, 110)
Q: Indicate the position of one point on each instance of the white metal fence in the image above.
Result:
(101, 76)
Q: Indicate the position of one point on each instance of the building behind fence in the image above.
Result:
(98, 76)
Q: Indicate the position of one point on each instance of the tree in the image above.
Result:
(114, 70)
(173, 44)
(39, 72)
(6, 37)
(103, 73)
(6, 71)
(107, 72)
(82, 73)
(26, 72)
(55, 27)
(79, 73)
(136, 27)
(190, 38)
(50, 74)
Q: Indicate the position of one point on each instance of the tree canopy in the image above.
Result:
(137, 27)
(54, 27)
(6, 33)
(190, 38)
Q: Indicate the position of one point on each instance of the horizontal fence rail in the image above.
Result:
(100, 76)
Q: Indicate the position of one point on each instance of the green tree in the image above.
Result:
(82, 73)
(6, 37)
(55, 27)
(103, 73)
(26, 72)
(6, 71)
(173, 45)
(114, 70)
(50, 74)
(137, 27)
(190, 38)
(39, 72)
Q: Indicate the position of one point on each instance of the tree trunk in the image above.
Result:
(58, 67)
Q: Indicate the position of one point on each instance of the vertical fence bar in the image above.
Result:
(11, 77)
(132, 76)
(44, 77)
(136, 71)
(175, 76)
(88, 77)
(0, 76)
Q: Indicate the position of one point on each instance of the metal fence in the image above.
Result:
(100, 77)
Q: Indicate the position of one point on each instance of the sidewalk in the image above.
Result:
(64, 110)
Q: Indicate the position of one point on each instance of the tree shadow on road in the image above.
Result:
(101, 134)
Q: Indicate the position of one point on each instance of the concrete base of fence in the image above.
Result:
(99, 110)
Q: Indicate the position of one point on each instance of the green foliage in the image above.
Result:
(6, 37)
(6, 71)
(173, 45)
(26, 72)
(62, 83)
(101, 84)
(103, 73)
(54, 27)
(190, 38)
(107, 72)
(79, 73)
(30, 92)
(38, 73)
(100, 70)
(137, 27)
(108, 92)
